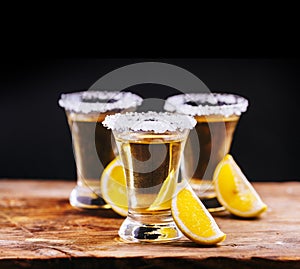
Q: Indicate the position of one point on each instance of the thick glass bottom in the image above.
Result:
(85, 198)
(212, 205)
(149, 228)
(205, 191)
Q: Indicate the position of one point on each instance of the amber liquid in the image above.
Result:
(214, 137)
(93, 146)
(149, 160)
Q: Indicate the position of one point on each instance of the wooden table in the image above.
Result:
(39, 229)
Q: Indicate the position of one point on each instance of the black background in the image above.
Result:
(35, 140)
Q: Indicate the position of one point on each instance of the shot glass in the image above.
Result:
(150, 146)
(93, 146)
(217, 115)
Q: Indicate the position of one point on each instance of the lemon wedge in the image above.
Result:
(235, 192)
(165, 194)
(194, 220)
(113, 187)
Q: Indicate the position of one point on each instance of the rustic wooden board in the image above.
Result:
(38, 228)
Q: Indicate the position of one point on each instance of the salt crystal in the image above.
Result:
(157, 122)
(98, 101)
(207, 104)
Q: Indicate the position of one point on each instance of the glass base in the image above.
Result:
(149, 228)
(203, 188)
(205, 191)
(85, 198)
(212, 205)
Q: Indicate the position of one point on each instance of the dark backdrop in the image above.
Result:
(35, 140)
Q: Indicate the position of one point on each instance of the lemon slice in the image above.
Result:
(165, 194)
(234, 191)
(113, 187)
(194, 220)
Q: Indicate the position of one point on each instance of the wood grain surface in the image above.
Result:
(39, 229)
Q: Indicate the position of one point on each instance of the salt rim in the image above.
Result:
(86, 101)
(158, 122)
(233, 104)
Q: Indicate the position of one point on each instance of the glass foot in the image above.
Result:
(207, 195)
(133, 230)
(212, 205)
(85, 198)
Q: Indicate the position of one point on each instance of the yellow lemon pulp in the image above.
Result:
(113, 187)
(164, 196)
(234, 191)
(194, 220)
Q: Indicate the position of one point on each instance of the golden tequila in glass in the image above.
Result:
(146, 177)
(93, 144)
(150, 145)
(217, 116)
